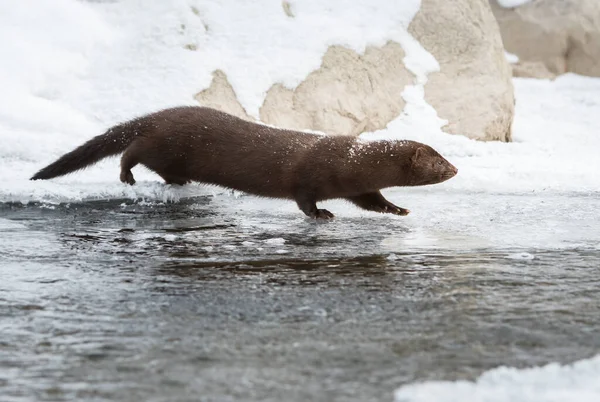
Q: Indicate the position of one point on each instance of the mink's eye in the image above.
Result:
(440, 163)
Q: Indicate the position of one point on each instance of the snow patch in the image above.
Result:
(550, 383)
(512, 3)
(511, 58)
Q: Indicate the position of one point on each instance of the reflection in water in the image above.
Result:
(132, 301)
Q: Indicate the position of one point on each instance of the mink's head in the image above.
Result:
(429, 167)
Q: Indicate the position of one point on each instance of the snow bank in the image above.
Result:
(285, 49)
(148, 63)
(551, 383)
(555, 141)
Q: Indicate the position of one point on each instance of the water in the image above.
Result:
(234, 298)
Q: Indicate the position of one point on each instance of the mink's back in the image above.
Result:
(210, 146)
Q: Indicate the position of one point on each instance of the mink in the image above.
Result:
(200, 144)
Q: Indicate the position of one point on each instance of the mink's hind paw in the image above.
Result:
(322, 214)
(127, 177)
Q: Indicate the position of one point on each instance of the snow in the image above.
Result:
(550, 383)
(511, 58)
(512, 3)
(554, 148)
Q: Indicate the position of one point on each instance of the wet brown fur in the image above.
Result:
(200, 144)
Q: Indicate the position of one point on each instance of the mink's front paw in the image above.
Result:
(396, 210)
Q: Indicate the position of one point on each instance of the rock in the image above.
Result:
(351, 93)
(532, 69)
(562, 34)
(348, 94)
(220, 95)
(473, 89)
(527, 69)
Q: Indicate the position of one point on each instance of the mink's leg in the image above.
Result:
(128, 161)
(309, 207)
(376, 202)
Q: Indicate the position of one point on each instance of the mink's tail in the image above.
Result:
(112, 142)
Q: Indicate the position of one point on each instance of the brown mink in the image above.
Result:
(186, 144)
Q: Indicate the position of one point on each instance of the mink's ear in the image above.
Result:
(419, 154)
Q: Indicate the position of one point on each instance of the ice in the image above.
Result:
(277, 241)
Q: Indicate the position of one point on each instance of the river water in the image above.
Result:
(233, 298)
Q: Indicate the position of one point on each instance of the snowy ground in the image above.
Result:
(60, 89)
(74, 68)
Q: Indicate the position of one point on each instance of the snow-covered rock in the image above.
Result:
(354, 92)
(563, 34)
(349, 94)
(473, 88)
